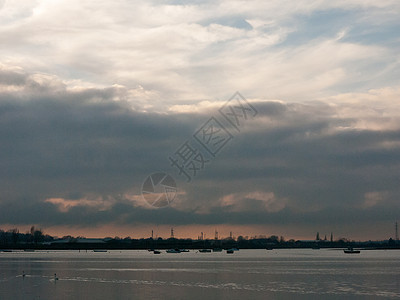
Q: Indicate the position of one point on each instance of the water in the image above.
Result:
(246, 274)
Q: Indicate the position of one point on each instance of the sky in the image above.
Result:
(95, 96)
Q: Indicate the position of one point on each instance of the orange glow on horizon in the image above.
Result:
(288, 231)
(163, 231)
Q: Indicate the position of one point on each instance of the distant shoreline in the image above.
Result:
(195, 246)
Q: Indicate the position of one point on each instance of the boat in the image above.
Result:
(156, 252)
(173, 251)
(184, 250)
(217, 249)
(351, 251)
(6, 250)
(205, 250)
(230, 251)
(100, 250)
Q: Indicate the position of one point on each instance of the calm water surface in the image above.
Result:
(246, 274)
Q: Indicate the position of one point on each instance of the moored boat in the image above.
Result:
(205, 250)
(351, 251)
(173, 251)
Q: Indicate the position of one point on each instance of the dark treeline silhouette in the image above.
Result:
(36, 239)
(13, 237)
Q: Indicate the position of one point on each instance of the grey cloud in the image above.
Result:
(56, 143)
(11, 78)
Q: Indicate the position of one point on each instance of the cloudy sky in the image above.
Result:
(97, 95)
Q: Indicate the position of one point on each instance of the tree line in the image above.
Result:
(14, 237)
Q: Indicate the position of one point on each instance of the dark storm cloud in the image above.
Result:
(55, 142)
(303, 155)
(72, 157)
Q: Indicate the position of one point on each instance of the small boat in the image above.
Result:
(100, 250)
(230, 251)
(217, 249)
(205, 250)
(351, 251)
(6, 250)
(173, 251)
(184, 250)
(156, 252)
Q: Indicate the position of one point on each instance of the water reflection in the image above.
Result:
(256, 274)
